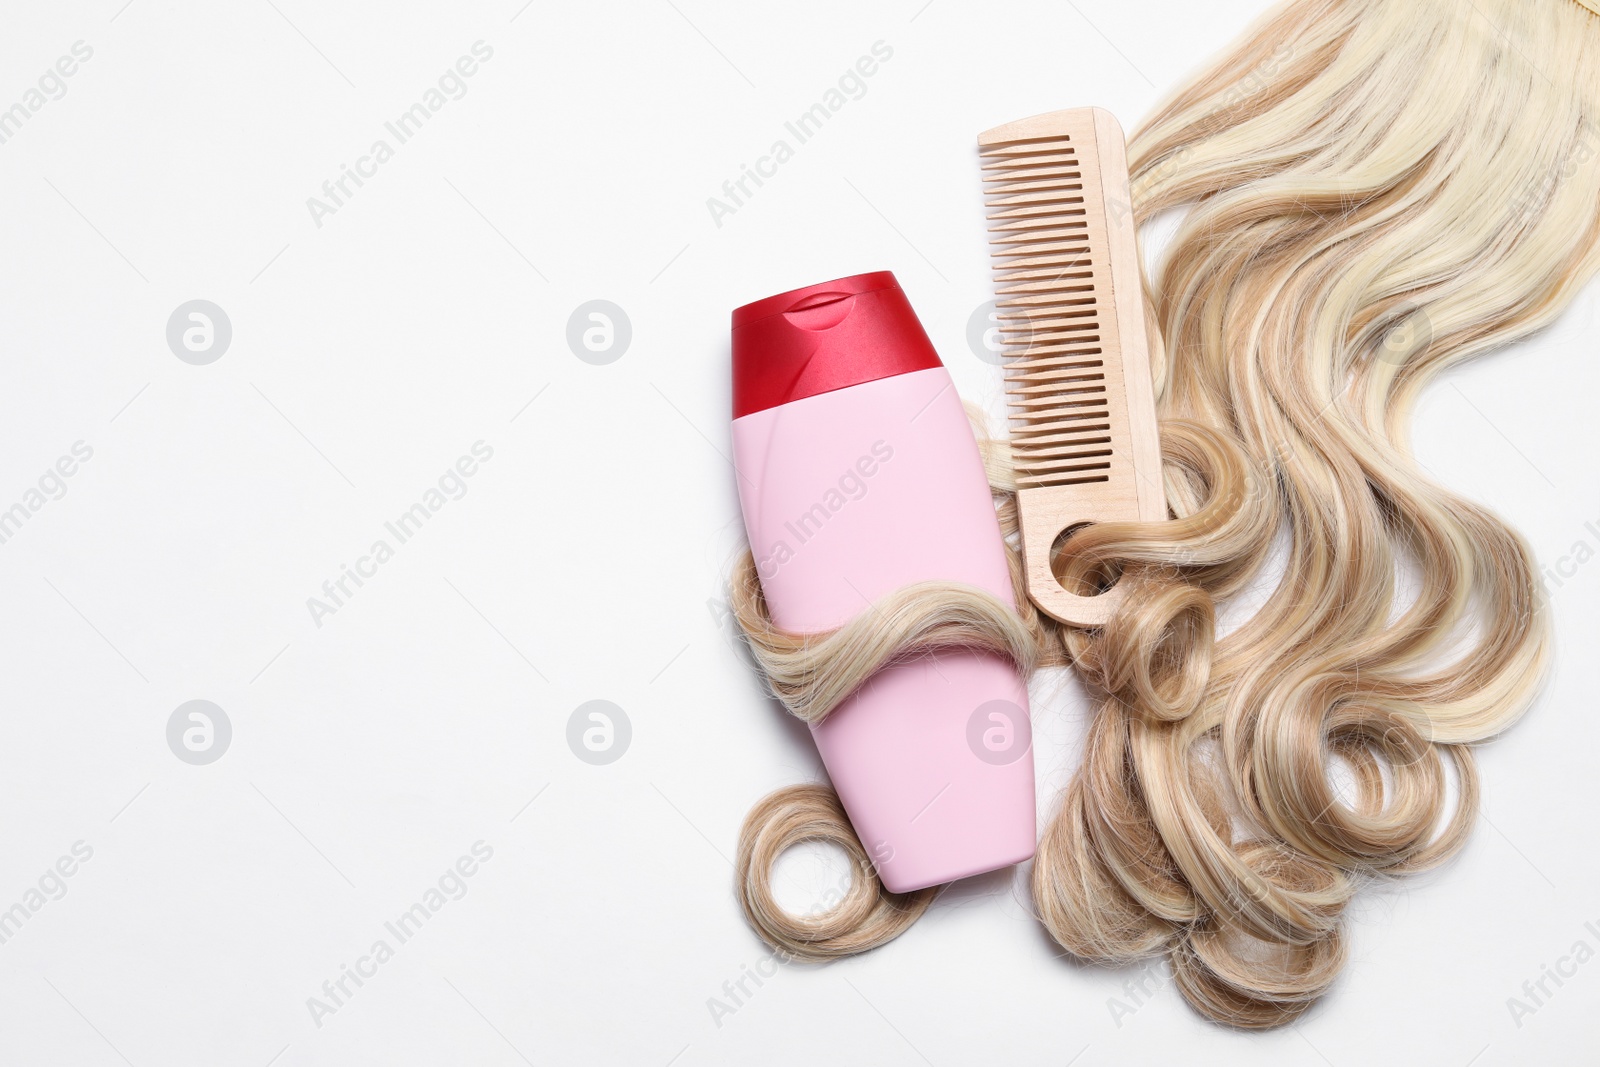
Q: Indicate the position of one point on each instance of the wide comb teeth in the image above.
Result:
(1052, 298)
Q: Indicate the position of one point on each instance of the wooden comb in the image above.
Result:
(1084, 440)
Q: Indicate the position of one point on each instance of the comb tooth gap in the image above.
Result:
(1080, 267)
(1043, 153)
(1039, 235)
(1028, 365)
(1029, 356)
(1044, 443)
(1042, 321)
(1022, 461)
(1042, 340)
(1059, 376)
(1023, 351)
(1066, 422)
(1044, 301)
(1093, 392)
(1038, 264)
(1071, 283)
(1039, 342)
(1009, 183)
(1054, 333)
(1040, 305)
(1068, 200)
(1016, 191)
(1029, 252)
(1060, 287)
(1059, 191)
(1024, 370)
(1098, 462)
(1103, 426)
(1044, 457)
(1021, 239)
(1033, 216)
(1093, 407)
(1087, 394)
(1022, 367)
(1059, 230)
(1040, 255)
(1040, 308)
(1024, 465)
(1043, 316)
(1026, 362)
(1083, 411)
(1066, 462)
(1035, 161)
(1100, 453)
(1029, 159)
(1031, 397)
(996, 182)
(1001, 182)
(1045, 450)
(1076, 243)
(1027, 146)
(1038, 220)
(1040, 481)
(1077, 472)
(1059, 358)
(1069, 197)
(1034, 173)
(998, 178)
(1030, 483)
(1065, 298)
(1061, 421)
(1032, 430)
(1031, 187)
(1064, 379)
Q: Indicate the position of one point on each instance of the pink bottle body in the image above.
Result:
(848, 495)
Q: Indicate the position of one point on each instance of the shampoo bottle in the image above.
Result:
(858, 474)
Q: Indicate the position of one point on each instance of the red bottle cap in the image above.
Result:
(825, 337)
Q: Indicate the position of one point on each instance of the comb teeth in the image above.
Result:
(1053, 296)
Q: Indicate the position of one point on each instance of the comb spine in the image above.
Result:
(1127, 293)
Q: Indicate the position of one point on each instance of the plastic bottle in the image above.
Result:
(858, 474)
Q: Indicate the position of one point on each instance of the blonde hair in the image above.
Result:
(1374, 190)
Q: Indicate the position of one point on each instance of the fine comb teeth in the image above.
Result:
(1084, 440)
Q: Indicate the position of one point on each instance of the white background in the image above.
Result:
(587, 558)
